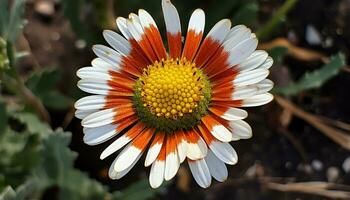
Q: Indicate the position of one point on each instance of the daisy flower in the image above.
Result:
(175, 105)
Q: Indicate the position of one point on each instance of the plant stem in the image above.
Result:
(270, 26)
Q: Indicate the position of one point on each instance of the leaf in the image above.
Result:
(57, 169)
(4, 16)
(316, 78)
(246, 14)
(21, 193)
(139, 190)
(3, 117)
(32, 122)
(43, 83)
(14, 25)
(278, 53)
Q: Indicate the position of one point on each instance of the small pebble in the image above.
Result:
(346, 165)
(317, 165)
(333, 174)
(312, 36)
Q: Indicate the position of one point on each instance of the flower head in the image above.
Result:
(173, 106)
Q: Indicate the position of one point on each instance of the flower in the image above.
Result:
(175, 106)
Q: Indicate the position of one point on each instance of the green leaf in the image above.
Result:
(277, 54)
(316, 78)
(32, 122)
(21, 193)
(3, 117)
(13, 28)
(4, 16)
(57, 169)
(246, 14)
(43, 83)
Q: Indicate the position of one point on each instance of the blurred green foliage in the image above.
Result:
(315, 79)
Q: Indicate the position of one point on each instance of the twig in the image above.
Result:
(340, 137)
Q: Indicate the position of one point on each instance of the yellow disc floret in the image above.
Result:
(171, 88)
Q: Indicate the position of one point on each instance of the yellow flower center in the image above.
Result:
(172, 88)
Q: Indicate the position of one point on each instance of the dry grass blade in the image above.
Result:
(340, 137)
(324, 189)
(297, 52)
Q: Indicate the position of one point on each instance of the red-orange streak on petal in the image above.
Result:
(114, 102)
(225, 77)
(126, 123)
(162, 153)
(142, 140)
(138, 55)
(147, 48)
(206, 51)
(120, 93)
(217, 62)
(158, 139)
(156, 41)
(135, 130)
(218, 110)
(209, 122)
(131, 67)
(192, 43)
(206, 135)
(123, 113)
(191, 136)
(171, 144)
(175, 44)
(228, 103)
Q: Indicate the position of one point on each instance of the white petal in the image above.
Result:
(243, 92)
(200, 172)
(250, 77)
(171, 165)
(197, 21)
(117, 41)
(99, 63)
(95, 136)
(235, 30)
(115, 146)
(94, 86)
(220, 30)
(146, 19)
(135, 28)
(234, 114)
(197, 150)
(118, 175)
(236, 36)
(121, 23)
(126, 157)
(93, 102)
(257, 58)
(171, 17)
(93, 73)
(264, 86)
(257, 100)
(267, 64)
(182, 150)
(242, 50)
(81, 114)
(224, 151)
(216, 167)
(152, 153)
(107, 54)
(240, 128)
(221, 133)
(156, 175)
(99, 118)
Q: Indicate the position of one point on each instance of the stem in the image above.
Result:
(269, 27)
(15, 84)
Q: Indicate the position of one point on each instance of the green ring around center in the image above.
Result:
(162, 124)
